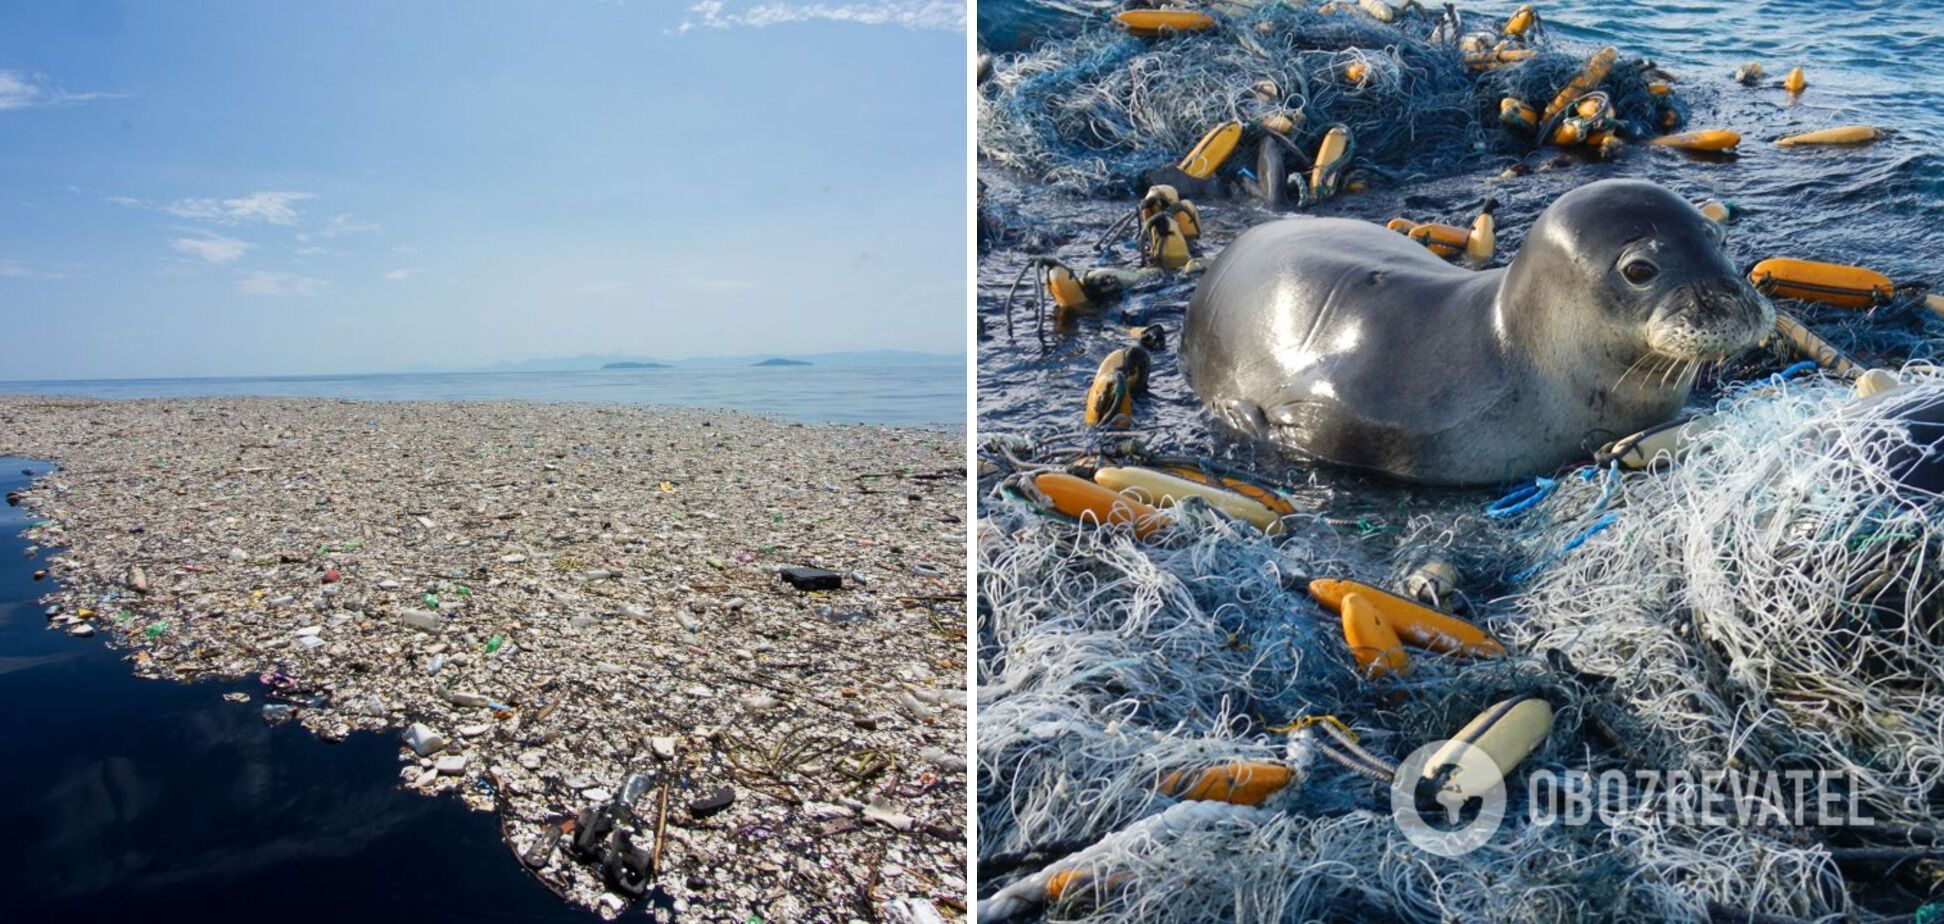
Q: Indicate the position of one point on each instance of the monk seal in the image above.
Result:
(1341, 341)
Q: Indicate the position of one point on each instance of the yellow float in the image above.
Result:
(1712, 139)
(1162, 489)
(1151, 23)
(1847, 134)
(1422, 626)
(1214, 148)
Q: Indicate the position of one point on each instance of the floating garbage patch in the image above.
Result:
(699, 663)
(1420, 93)
(1178, 720)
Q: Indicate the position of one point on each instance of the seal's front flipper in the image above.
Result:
(1244, 417)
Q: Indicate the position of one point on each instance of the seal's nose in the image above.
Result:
(1725, 303)
(1712, 318)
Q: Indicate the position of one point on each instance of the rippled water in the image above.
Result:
(1878, 206)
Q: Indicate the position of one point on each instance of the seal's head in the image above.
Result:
(1656, 271)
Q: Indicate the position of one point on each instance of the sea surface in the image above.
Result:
(144, 800)
(914, 395)
(1880, 206)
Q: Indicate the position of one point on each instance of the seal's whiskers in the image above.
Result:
(1622, 380)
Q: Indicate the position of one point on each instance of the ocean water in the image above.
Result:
(142, 800)
(1880, 206)
(915, 395)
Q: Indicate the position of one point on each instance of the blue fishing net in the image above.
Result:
(1093, 113)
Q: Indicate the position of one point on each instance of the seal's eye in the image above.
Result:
(1639, 272)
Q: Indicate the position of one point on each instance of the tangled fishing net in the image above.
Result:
(1776, 602)
(1771, 602)
(1091, 114)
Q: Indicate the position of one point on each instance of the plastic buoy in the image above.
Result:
(1514, 113)
(1373, 643)
(1255, 492)
(1828, 283)
(1211, 151)
(1443, 240)
(1242, 782)
(1493, 60)
(1415, 623)
(1065, 289)
(1110, 400)
(1476, 243)
(1749, 74)
(1162, 198)
(1164, 490)
(1483, 241)
(1719, 211)
(1667, 442)
(1082, 499)
(1058, 884)
(1156, 22)
(1847, 134)
(1583, 83)
(1713, 139)
(1379, 10)
(1876, 382)
(1507, 732)
(1520, 21)
(1356, 71)
(1330, 152)
(1166, 246)
(1795, 82)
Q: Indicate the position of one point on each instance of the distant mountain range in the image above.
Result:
(596, 361)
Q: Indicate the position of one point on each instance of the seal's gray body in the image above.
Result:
(1343, 341)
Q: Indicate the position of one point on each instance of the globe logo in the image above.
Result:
(1465, 782)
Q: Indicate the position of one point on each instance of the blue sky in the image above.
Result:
(243, 188)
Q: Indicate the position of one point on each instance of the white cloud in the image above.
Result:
(19, 91)
(211, 248)
(948, 15)
(340, 225)
(265, 282)
(21, 269)
(401, 274)
(269, 206)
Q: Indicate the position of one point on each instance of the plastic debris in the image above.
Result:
(423, 741)
(534, 523)
(812, 579)
(716, 801)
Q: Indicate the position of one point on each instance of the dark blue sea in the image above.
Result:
(907, 395)
(142, 800)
